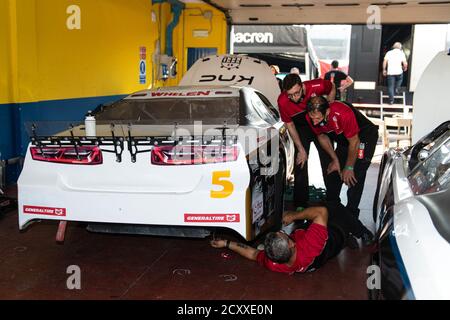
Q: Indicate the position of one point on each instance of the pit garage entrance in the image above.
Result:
(63, 59)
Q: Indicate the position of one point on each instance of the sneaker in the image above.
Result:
(391, 102)
(367, 238)
(351, 242)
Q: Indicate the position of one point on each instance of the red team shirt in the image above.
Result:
(310, 244)
(316, 87)
(341, 120)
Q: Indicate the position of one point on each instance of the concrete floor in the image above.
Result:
(33, 266)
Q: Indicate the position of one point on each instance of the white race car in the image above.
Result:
(173, 161)
(412, 212)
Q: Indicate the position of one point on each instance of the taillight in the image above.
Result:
(69, 155)
(185, 155)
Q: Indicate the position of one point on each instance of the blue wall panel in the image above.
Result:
(16, 120)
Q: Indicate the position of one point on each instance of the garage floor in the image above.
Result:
(33, 266)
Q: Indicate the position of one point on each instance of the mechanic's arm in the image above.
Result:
(317, 215)
(385, 62)
(326, 145)
(243, 249)
(348, 175)
(348, 82)
(302, 157)
(405, 66)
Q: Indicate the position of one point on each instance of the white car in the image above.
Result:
(173, 161)
(412, 213)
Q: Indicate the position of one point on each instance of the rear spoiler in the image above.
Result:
(135, 144)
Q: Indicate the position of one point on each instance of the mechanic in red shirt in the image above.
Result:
(304, 250)
(356, 138)
(292, 105)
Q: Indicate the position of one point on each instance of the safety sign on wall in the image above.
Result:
(142, 65)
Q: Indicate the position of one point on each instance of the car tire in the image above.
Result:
(377, 191)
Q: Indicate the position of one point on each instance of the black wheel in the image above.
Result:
(377, 191)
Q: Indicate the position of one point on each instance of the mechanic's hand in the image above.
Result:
(302, 157)
(288, 217)
(334, 166)
(384, 73)
(218, 243)
(348, 176)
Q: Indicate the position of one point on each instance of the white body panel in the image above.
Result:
(425, 253)
(429, 40)
(430, 98)
(233, 70)
(132, 193)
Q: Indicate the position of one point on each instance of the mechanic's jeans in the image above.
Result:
(394, 83)
(354, 193)
(301, 182)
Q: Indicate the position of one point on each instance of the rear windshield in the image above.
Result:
(168, 111)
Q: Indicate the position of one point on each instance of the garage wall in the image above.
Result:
(6, 88)
(194, 30)
(54, 73)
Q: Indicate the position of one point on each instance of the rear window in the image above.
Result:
(168, 111)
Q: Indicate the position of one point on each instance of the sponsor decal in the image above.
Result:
(223, 78)
(254, 37)
(48, 211)
(257, 200)
(231, 62)
(336, 124)
(211, 217)
(181, 94)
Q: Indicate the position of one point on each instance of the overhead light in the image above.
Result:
(435, 2)
(341, 4)
(298, 5)
(255, 5)
(388, 3)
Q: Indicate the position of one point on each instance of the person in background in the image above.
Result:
(394, 64)
(276, 70)
(340, 79)
(295, 70)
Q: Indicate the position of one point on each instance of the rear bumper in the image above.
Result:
(63, 192)
(163, 209)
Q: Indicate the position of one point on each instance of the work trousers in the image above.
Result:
(301, 182)
(334, 182)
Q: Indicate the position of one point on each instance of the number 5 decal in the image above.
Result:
(218, 178)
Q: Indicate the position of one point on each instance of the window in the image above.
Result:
(261, 109)
(169, 110)
(269, 107)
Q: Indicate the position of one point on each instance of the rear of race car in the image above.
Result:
(160, 187)
(147, 173)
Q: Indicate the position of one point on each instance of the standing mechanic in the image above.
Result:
(292, 105)
(303, 250)
(356, 138)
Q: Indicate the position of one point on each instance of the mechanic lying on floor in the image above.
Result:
(303, 250)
